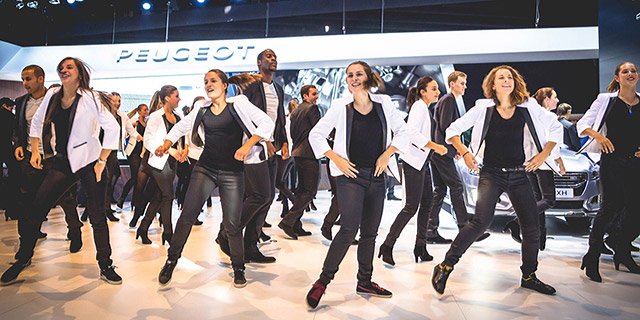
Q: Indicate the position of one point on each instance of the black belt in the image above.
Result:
(505, 169)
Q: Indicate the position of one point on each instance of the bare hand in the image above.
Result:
(35, 160)
(98, 168)
(471, 162)
(441, 150)
(457, 156)
(637, 154)
(346, 167)
(162, 150)
(242, 153)
(183, 155)
(139, 138)
(536, 162)
(381, 163)
(605, 143)
(271, 150)
(285, 151)
(19, 153)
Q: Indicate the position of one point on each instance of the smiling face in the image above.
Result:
(627, 76)
(69, 73)
(214, 86)
(172, 100)
(356, 78)
(430, 93)
(312, 96)
(30, 82)
(503, 83)
(144, 111)
(116, 101)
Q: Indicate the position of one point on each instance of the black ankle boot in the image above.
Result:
(625, 259)
(75, 235)
(514, 228)
(134, 219)
(422, 253)
(166, 237)
(325, 229)
(167, 272)
(441, 273)
(239, 280)
(143, 233)
(386, 252)
(111, 217)
(85, 216)
(591, 262)
(532, 282)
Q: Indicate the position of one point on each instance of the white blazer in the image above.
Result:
(419, 126)
(396, 134)
(127, 130)
(546, 127)
(253, 119)
(154, 137)
(595, 118)
(84, 144)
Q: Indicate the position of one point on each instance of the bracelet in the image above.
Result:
(465, 153)
(101, 161)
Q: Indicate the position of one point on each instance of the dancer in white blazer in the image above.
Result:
(417, 186)
(231, 132)
(69, 121)
(613, 122)
(510, 137)
(368, 131)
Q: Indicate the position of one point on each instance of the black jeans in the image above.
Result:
(11, 184)
(282, 176)
(332, 215)
(113, 173)
(60, 180)
(491, 185)
(418, 193)
(260, 187)
(361, 201)
(308, 170)
(444, 175)
(183, 172)
(544, 189)
(231, 187)
(134, 165)
(620, 188)
(164, 181)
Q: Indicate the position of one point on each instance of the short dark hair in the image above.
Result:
(305, 89)
(7, 101)
(261, 54)
(37, 70)
(563, 109)
(115, 94)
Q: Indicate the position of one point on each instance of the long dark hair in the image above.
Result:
(615, 85)
(84, 80)
(373, 78)
(157, 100)
(414, 92)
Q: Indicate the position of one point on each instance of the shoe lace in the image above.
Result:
(318, 291)
(375, 285)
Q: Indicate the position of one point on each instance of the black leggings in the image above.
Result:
(161, 201)
(134, 165)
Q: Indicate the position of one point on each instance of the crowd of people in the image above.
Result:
(248, 147)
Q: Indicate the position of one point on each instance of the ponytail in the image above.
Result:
(373, 78)
(615, 85)
(414, 92)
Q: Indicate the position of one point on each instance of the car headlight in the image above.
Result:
(595, 174)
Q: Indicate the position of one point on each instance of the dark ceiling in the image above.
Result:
(124, 21)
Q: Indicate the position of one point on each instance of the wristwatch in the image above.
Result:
(101, 161)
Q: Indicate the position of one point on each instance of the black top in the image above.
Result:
(138, 148)
(504, 141)
(623, 128)
(61, 124)
(365, 145)
(223, 136)
(303, 119)
(7, 127)
(168, 125)
(256, 95)
(446, 112)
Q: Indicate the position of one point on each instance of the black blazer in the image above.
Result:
(21, 135)
(446, 113)
(303, 119)
(255, 94)
(570, 134)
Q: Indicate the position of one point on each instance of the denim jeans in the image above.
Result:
(360, 202)
(231, 187)
(418, 194)
(491, 185)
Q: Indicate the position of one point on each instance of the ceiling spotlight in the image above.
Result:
(71, 1)
(146, 6)
(200, 1)
(32, 4)
(19, 5)
(54, 2)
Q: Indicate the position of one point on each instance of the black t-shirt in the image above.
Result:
(365, 145)
(623, 128)
(138, 148)
(61, 124)
(504, 141)
(223, 136)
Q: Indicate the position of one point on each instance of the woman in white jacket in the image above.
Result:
(613, 121)
(417, 174)
(231, 131)
(368, 131)
(70, 118)
(509, 134)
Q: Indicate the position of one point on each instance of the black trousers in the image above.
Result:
(113, 173)
(183, 172)
(31, 179)
(544, 189)
(361, 201)
(231, 187)
(444, 175)
(418, 193)
(334, 212)
(491, 185)
(134, 165)
(308, 170)
(285, 167)
(619, 188)
(162, 201)
(60, 180)
(260, 188)
(11, 183)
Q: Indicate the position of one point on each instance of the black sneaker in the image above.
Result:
(224, 245)
(302, 232)
(166, 272)
(441, 273)
(266, 225)
(258, 257)
(314, 295)
(438, 240)
(288, 230)
(483, 236)
(532, 282)
(110, 276)
(239, 281)
(10, 276)
(76, 240)
(373, 289)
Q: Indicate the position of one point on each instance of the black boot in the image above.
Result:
(134, 219)
(514, 228)
(386, 252)
(142, 232)
(441, 273)
(223, 243)
(167, 272)
(85, 216)
(239, 280)
(623, 257)
(111, 217)
(591, 262)
(75, 235)
(532, 282)
(325, 229)
(422, 253)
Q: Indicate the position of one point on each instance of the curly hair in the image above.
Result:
(519, 94)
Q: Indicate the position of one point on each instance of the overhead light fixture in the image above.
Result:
(146, 6)
(19, 5)
(71, 1)
(326, 28)
(32, 4)
(200, 1)
(54, 2)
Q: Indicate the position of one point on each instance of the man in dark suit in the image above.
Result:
(260, 185)
(10, 185)
(571, 138)
(303, 119)
(443, 169)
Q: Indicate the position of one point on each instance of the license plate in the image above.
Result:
(564, 193)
